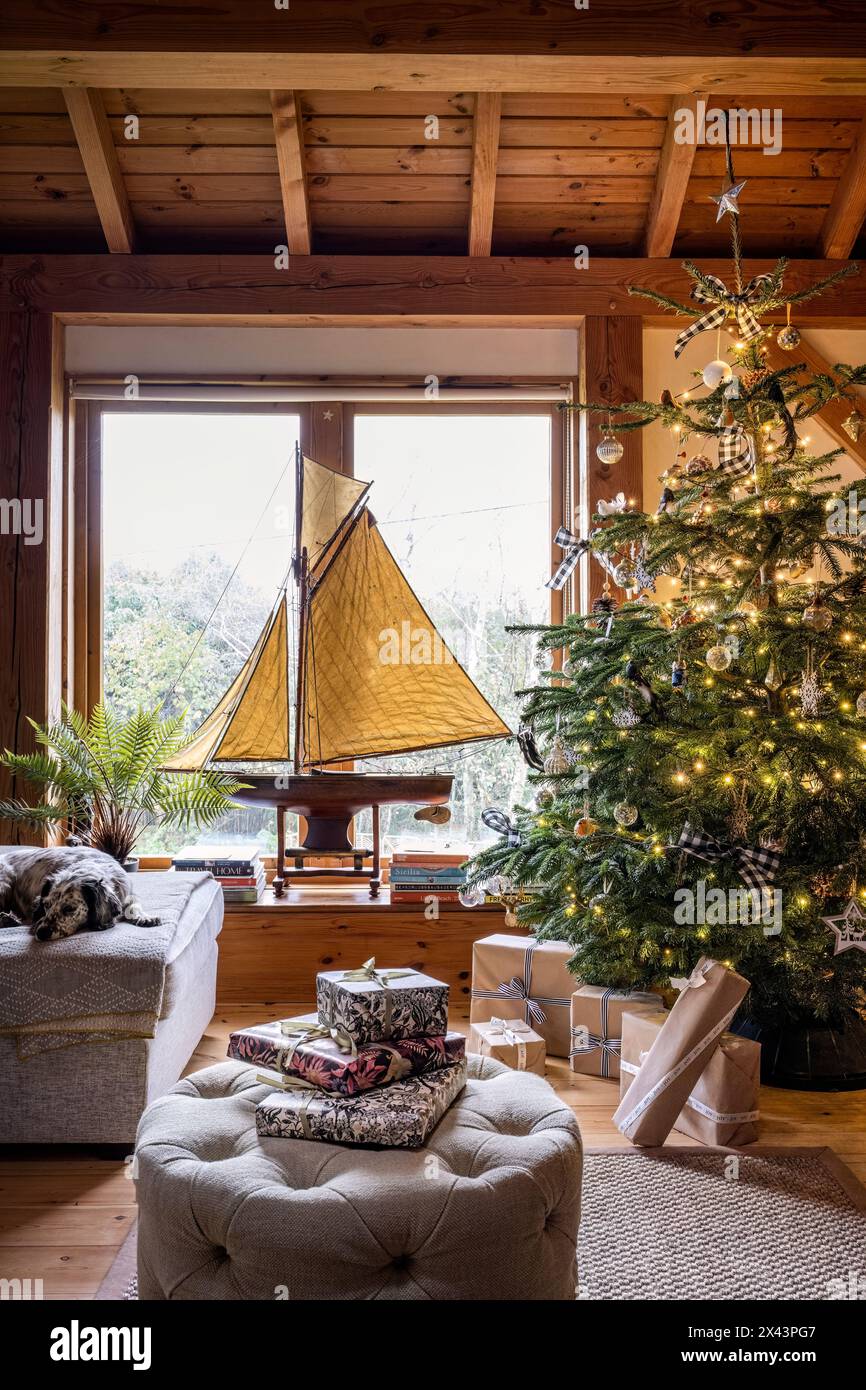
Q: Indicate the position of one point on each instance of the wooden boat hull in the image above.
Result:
(338, 794)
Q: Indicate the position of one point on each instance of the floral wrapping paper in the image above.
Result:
(322, 1062)
(410, 1006)
(400, 1116)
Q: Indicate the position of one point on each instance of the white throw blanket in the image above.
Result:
(94, 986)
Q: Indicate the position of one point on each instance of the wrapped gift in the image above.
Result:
(306, 1048)
(596, 1027)
(511, 1041)
(723, 1107)
(708, 1000)
(400, 1116)
(371, 1004)
(534, 975)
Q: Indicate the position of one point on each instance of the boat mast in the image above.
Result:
(299, 565)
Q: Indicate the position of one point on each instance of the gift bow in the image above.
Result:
(756, 867)
(297, 1083)
(697, 978)
(497, 820)
(516, 989)
(725, 303)
(574, 547)
(368, 971)
(511, 1031)
(300, 1032)
(736, 456)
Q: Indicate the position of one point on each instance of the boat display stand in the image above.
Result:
(327, 837)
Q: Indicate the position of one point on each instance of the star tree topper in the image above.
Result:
(727, 201)
(849, 927)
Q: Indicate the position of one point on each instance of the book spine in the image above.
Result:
(235, 869)
(412, 896)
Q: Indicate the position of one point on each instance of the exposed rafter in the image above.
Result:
(92, 132)
(831, 415)
(485, 152)
(847, 211)
(672, 179)
(288, 133)
(432, 72)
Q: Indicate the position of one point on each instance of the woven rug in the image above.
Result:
(699, 1224)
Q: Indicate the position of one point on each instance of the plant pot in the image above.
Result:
(131, 864)
(810, 1056)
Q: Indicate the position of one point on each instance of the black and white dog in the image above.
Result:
(61, 891)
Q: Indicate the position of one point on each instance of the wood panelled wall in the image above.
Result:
(31, 567)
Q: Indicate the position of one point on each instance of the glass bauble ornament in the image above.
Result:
(719, 657)
(817, 616)
(585, 826)
(609, 449)
(699, 463)
(499, 885)
(747, 609)
(716, 373)
(789, 338)
(471, 897)
(625, 814)
(557, 760)
(624, 575)
(861, 705)
(598, 902)
(544, 799)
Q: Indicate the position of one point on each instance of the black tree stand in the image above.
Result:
(810, 1056)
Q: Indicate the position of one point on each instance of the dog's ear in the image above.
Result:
(38, 910)
(103, 908)
(47, 885)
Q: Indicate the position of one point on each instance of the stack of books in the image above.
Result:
(239, 869)
(416, 874)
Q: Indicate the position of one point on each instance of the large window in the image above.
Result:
(196, 534)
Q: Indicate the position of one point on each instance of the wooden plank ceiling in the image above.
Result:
(551, 172)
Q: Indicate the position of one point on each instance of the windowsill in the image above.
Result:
(329, 896)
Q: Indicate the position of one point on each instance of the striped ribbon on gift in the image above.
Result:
(521, 989)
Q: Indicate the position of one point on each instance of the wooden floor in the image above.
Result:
(64, 1213)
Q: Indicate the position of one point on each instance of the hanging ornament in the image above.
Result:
(861, 705)
(609, 449)
(643, 575)
(740, 817)
(544, 799)
(613, 507)
(698, 463)
(849, 928)
(678, 675)
(853, 425)
(625, 814)
(727, 199)
(817, 615)
(811, 694)
(624, 575)
(746, 609)
(625, 718)
(667, 502)
(471, 897)
(585, 826)
(685, 619)
(773, 680)
(719, 657)
(557, 759)
(811, 783)
(716, 373)
(732, 390)
(789, 337)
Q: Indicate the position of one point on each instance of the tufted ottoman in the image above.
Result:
(488, 1210)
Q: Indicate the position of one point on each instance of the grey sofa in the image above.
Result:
(91, 1086)
(488, 1209)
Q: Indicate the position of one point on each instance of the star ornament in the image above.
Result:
(727, 201)
(849, 928)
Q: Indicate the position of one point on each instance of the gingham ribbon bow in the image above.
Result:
(574, 547)
(725, 303)
(735, 451)
(757, 867)
(497, 820)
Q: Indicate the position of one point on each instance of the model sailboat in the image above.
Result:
(373, 678)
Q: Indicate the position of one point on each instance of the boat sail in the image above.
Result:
(374, 678)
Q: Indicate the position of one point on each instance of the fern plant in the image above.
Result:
(104, 778)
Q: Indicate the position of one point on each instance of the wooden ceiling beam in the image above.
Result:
(672, 179)
(847, 211)
(830, 416)
(418, 288)
(288, 133)
(485, 154)
(437, 72)
(96, 147)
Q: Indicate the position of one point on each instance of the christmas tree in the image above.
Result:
(701, 784)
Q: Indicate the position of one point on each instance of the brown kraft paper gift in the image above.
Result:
(682, 1048)
(511, 1041)
(596, 1027)
(518, 975)
(723, 1107)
